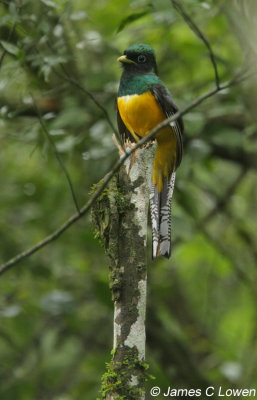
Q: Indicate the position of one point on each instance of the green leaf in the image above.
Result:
(132, 18)
(78, 16)
(9, 47)
(50, 3)
(66, 144)
(45, 70)
(228, 137)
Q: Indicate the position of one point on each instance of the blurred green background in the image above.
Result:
(55, 307)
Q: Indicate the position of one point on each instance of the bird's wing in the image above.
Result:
(169, 108)
(123, 130)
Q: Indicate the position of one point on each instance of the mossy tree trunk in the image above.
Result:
(120, 216)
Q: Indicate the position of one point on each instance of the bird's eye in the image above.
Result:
(141, 59)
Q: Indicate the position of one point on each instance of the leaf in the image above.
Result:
(13, 10)
(78, 16)
(57, 302)
(228, 137)
(45, 70)
(10, 48)
(70, 116)
(66, 144)
(11, 311)
(132, 18)
(50, 3)
(54, 60)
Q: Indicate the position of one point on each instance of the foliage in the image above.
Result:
(55, 307)
(117, 378)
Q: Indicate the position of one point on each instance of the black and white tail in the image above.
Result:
(160, 206)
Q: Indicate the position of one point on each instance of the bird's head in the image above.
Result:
(139, 58)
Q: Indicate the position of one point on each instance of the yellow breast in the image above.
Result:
(140, 113)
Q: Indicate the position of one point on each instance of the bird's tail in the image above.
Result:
(160, 205)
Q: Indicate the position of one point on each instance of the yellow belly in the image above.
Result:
(140, 114)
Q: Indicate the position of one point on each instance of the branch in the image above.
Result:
(89, 94)
(75, 83)
(4, 50)
(66, 173)
(50, 238)
(74, 218)
(222, 202)
(221, 205)
(192, 25)
(222, 248)
(124, 234)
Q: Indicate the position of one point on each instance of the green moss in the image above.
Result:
(113, 190)
(122, 200)
(96, 186)
(107, 212)
(117, 379)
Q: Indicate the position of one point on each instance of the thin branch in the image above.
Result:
(2, 57)
(75, 83)
(89, 94)
(201, 225)
(222, 248)
(50, 238)
(53, 236)
(5, 51)
(223, 202)
(192, 25)
(57, 155)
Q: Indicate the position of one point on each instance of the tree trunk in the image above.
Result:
(121, 216)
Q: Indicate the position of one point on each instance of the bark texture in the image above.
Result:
(121, 216)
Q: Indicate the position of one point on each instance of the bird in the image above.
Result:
(143, 102)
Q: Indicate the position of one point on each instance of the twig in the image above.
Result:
(89, 94)
(222, 203)
(5, 51)
(50, 238)
(65, 171)
(75, 83)
(240, 272)
(192, 25)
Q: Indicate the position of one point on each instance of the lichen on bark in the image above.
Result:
(120, 217)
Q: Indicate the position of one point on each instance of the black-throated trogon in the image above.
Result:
(143, 102)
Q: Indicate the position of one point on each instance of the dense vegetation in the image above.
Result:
(55, 307)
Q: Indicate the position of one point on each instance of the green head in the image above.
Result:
(139, 58)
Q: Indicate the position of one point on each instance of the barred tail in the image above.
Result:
(160, 205)
(155, 217)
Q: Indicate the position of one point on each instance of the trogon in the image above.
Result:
(143, 102)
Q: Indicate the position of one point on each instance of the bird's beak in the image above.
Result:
(124, 59)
